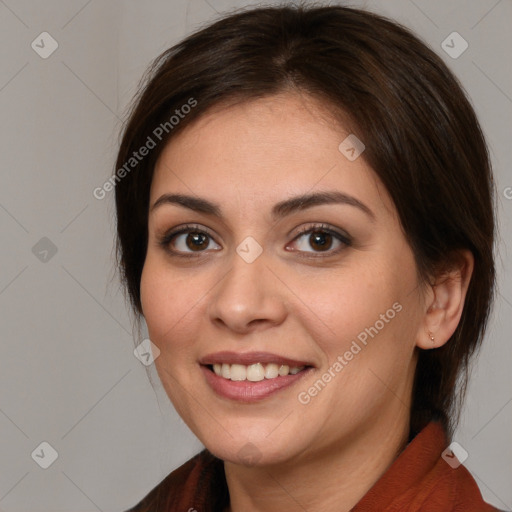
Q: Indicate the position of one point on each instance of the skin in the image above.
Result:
(326, 454)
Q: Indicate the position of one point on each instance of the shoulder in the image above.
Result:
(426, 477)
(458, 486)
(187, 484)
(449, 484)
(446, 483)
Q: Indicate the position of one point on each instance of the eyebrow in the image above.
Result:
(280, 210)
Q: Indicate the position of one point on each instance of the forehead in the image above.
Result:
(263, 150)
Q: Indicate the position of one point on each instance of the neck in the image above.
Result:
(335, 479)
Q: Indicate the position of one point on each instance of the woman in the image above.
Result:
(305, 222)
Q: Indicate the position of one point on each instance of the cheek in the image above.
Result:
(153, 298)
(367, 314)
(167, 300)
(349, 301)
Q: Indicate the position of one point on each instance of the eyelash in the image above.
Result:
(323, 228)
(166, 239)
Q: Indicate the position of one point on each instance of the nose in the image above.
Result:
(248, 298)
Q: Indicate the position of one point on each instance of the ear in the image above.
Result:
(445, 302)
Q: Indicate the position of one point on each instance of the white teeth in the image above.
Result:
(284, 369)
(254, 372)
(225, 371)
(271, 371)
(238, 372)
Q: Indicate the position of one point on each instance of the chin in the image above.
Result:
(253, 450)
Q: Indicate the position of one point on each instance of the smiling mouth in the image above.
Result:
(254, 372)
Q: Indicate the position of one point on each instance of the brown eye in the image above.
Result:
(320, 240)
(197, 241)
(188, 240)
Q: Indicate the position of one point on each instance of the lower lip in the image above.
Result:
(247, 391)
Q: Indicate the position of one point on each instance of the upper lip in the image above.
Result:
(248, 358)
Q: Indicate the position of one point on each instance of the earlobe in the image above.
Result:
(432, 339)
(447, 303)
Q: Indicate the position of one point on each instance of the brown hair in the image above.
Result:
(422, 139)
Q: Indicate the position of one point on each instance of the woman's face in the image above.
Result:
(261, 279)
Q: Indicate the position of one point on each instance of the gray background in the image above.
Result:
(68, 375)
